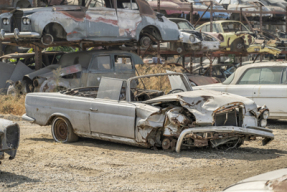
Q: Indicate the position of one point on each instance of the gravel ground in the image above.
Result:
(93, 165)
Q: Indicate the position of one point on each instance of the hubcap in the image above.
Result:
(61, 130)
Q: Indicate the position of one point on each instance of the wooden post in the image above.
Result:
(183, 61)
(191, 13)
(38, 58)
(211, 15)
(158, 52)
(210, 67)
(240, 60)
(158, 43)
(190, 65)
(260, 17)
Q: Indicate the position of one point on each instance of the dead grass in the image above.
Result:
(12, 105)
(161, 83)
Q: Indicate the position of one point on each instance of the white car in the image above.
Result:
(265, 83)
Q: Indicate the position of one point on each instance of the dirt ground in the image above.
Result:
(93, 165)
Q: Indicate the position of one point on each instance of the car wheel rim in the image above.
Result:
(239, 46)
(61, 130)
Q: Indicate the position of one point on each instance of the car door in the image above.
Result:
(110, 113)
(272, 90)
(101, 66)
(128, 18)
(124, 65)
(246, 83)
(102, 21)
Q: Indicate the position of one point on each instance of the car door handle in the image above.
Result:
(91, 109)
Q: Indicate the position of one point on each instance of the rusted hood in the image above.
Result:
(203, 103)
(42, 71)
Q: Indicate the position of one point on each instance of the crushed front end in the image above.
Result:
(231, 126)
(9, 138)
(207, 119)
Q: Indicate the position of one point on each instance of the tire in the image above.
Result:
(62, 130)
(145, 42)
(237, 45)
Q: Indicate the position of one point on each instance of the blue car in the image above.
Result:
(204, 5)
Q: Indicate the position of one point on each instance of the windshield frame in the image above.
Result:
(129, 81)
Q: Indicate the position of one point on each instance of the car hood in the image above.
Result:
(42, 71)
(194, 32)
(203, 103)
(270, 181)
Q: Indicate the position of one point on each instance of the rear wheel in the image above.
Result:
(238, 45)
(62, 130)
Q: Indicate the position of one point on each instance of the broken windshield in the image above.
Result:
(151, 86)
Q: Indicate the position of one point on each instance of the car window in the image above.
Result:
(127, 4)
(101, 63)
(284, 76)
(110, 88)
(234, 2)
(101, 3)
(123, 63)
(270, 75)
(184, 25)
(207, 28)
(229, 79)
(233, 27)
(251, 76)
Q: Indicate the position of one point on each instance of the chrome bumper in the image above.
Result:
(27, 118)
(18, 35)
(254, 131)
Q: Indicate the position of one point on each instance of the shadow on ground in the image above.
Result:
(12, 180)
(245, 152)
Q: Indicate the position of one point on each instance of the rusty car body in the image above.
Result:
(264, 83)
(193, 40)
(236, 37)
(101, 21)
(9, 138)
(273, 181)
(78, 69)
(247, 6)
(169, 6)
(158, 110)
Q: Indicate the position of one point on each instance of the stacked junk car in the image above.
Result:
(202, 82)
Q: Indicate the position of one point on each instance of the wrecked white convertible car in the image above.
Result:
(158, 110)
(9, 138)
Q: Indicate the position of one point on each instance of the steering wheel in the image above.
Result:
(173, 90)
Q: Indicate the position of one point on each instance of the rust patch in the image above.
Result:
(75, 15)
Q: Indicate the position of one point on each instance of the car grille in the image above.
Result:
(17, 20)
(12, 136)
(229, 116)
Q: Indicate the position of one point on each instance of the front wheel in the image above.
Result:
(62, 130)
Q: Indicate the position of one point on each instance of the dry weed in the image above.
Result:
(12, 105)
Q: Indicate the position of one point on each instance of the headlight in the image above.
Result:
(28, 21)
(25, 21)
(265, 114)
(263, 122)
(192, 38)
(4, 21)
(7, 22)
